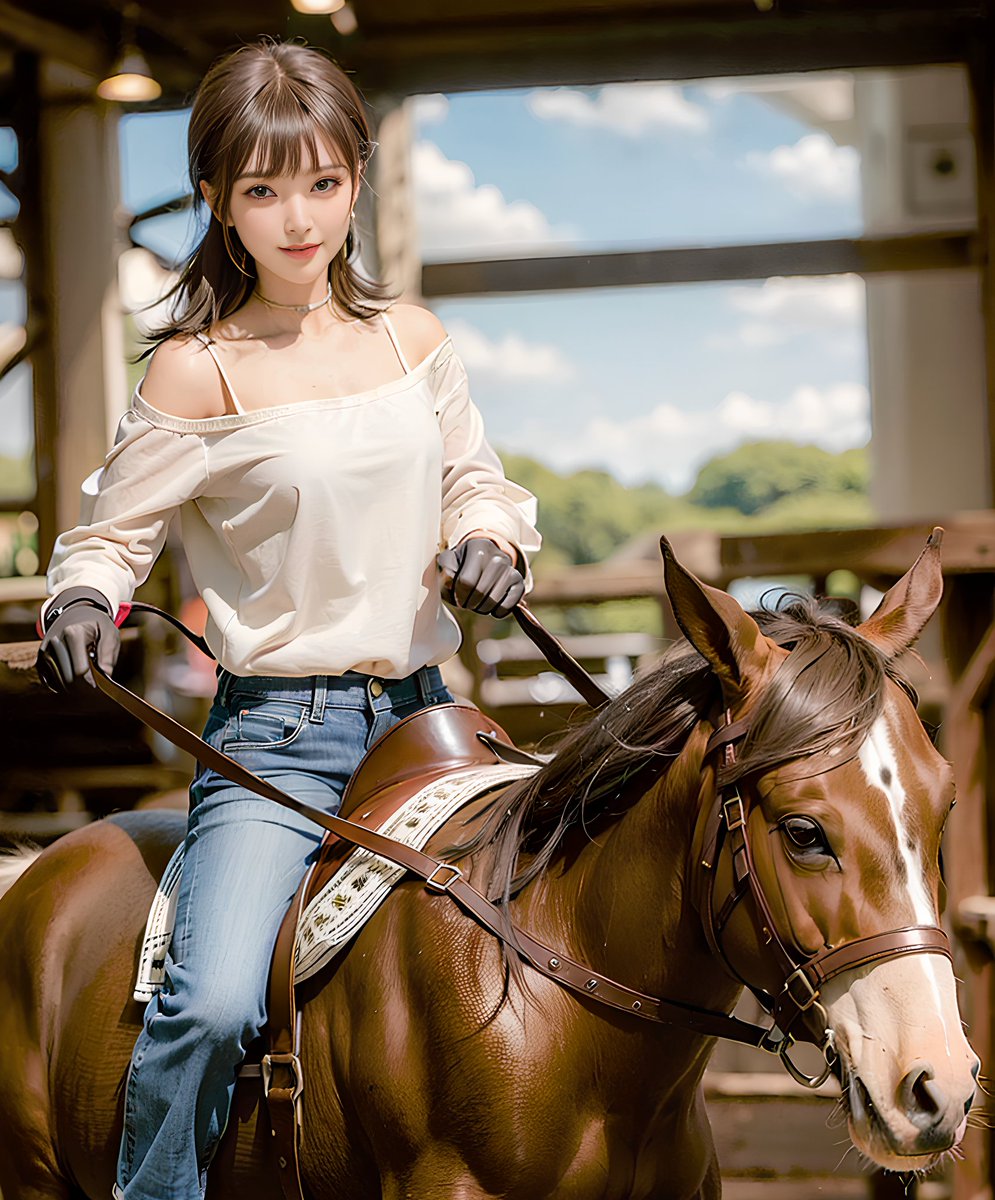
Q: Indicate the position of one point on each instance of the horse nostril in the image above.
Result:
(922, 1097)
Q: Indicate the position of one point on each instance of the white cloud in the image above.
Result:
(455, 213)
(629, 109)
(431, 109)
(780, 309)
(814, 168)
(512, 359)
(670, 444)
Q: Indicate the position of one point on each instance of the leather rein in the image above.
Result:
(804, 974)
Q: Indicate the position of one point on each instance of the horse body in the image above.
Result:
(543, 1095)
(432, 1071)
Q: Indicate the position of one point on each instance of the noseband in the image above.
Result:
(796, 1010)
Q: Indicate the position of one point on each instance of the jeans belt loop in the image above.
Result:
(378, 697)
(424, 687)
(319, 694)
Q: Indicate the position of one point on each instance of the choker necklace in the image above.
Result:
(303, 309)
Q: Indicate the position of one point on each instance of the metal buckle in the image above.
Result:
(269, 1061)
(732, 812)
(809, 999)
(443, 885)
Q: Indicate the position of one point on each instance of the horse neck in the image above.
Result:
(620, 895)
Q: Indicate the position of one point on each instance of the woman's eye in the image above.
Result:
(806, 835)
(259, 191)
(326, 185)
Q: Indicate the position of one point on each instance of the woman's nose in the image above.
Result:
(297, 218)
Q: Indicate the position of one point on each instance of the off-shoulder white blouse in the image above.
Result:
(311, 528)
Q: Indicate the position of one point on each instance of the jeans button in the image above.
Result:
(376, 688)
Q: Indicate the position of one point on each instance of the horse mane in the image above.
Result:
(824, 697)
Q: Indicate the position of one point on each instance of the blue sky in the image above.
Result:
(646, 382)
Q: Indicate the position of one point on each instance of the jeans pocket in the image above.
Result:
(260, 723)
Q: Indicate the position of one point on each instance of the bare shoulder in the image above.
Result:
(420, 331)
(182, 380)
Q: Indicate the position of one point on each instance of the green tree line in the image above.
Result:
(588, 515)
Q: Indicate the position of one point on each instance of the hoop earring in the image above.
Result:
(351, 238)
(228, 247)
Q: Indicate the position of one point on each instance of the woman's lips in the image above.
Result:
(301, 252)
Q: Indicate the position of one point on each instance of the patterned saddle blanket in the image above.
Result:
(356, 889)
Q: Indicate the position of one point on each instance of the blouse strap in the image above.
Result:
(395, 342)
(209, 347)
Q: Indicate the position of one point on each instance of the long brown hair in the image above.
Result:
(279, 97)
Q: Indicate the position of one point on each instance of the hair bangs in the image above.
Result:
(286, 133)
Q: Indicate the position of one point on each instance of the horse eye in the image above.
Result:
(805, 834)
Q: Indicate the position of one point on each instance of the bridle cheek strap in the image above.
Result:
(805, 975)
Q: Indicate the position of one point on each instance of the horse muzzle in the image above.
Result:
(908, 1086)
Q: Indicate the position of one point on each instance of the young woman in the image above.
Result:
(333, 483)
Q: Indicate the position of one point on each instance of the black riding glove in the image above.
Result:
(478, 575)
(79, 620)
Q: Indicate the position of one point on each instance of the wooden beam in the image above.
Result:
(50, 39)
(835, 256)
(885, 553)
(588, 49)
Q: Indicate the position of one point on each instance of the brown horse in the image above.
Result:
(433, 1071)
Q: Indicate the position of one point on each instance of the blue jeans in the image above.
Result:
(244, 858)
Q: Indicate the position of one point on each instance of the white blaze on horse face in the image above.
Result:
(880, 766)
(877, 757)
(896, 1023)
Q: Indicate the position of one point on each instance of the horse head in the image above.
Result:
(816, 867)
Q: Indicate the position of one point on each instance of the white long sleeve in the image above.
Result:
(475, 493)
(126, 508)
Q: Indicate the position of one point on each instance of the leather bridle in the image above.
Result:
(796, 1011)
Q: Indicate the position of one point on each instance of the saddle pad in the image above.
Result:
(362, 883)
(159, 930)
(352, 895)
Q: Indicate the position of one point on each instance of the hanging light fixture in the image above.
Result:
(344, 20)
(317, 7)
(130, 77)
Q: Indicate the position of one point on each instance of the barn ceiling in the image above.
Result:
(404, 46)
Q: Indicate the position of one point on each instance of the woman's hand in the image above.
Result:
(479, 575)
(78, 621)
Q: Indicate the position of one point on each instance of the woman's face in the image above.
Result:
(294, 225)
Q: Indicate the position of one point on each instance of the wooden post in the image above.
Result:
(396, 227)
(30, 233)
(80, 201)
(967, 607)
(982, 79)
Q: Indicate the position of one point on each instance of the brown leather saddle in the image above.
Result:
(417, 751)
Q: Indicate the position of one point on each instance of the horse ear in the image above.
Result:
(717, 626)
(899, 618)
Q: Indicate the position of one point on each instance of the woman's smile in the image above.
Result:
(305, 252)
